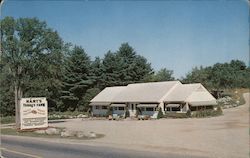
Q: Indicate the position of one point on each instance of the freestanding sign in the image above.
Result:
(33, 113)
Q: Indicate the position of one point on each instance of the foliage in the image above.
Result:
(31, 61)
(124, 67)
(36, 62)
(160, 113)
(76, 80)
(207, 113)
(127, 114)
(64, 115)
(109, 111)
(163, 75)
(7, 119)
(176, 115)
(221, 75)
(83, 104)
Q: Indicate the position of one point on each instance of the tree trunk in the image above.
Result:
(18, 95)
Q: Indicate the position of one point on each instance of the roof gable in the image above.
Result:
(108, 94)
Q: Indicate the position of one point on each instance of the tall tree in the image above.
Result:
(134, 68)
(76, 80)
(30, 50)
(164, 75)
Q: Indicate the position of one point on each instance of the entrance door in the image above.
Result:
(132, 109)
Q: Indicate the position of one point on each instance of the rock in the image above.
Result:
(82, 116)
(91, 135)
(68, 133)
(52, 131)
(40, 131)
(80, 134)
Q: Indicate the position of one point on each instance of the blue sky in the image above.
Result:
(176, 35)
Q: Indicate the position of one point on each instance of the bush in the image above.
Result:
(109, 112)
(160, 114)
(8, 119)
(207, 113)
(188, 113)
(64, 115)
(127, 113)
(176, 115)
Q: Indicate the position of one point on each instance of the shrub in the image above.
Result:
(188, 113)
(8, 119)
(207, 113)
(127, 113)
(160, 114)
(109, 111)
(176, 115)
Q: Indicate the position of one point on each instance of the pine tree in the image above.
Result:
(76, 80)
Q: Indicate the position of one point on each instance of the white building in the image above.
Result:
(147, 98)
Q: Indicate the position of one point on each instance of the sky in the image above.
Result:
(177, 35)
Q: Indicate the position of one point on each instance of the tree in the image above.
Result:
(234, 74)
(30, 50)
(163, 75)
(111, 68)
(90, 94)
(97, 73)
(77, 79)
(134, 68)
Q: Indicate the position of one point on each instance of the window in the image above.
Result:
(120, 108)
(176, 108)
(114, 108)
(96, 107)
(104, 107)
(149, 109)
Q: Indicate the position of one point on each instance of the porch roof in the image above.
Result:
(118, 105)
(173, 105)
(147, 105)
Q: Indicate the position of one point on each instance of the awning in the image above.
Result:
(118, 105)
(99, 103)
(173, 105)
(147, 105)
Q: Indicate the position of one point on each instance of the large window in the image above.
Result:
(104, 107)
(150, 109)
(120, 108)
(96, 107)
(176, 108)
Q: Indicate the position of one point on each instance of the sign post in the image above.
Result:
(33, 113)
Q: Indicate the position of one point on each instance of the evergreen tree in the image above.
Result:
(76, 80)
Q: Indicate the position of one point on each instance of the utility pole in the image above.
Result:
(1, 3)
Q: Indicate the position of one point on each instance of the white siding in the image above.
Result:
(99, 111)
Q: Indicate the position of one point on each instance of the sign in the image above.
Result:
(33, 113)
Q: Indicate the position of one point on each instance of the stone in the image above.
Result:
(80, 134)
(68, 133)
(52, 131)
(82, 116)
(91, 135)
(40, 131)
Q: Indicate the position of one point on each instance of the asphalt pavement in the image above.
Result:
(15, 147)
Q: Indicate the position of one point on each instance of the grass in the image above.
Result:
(14, 132)
(7, 119)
